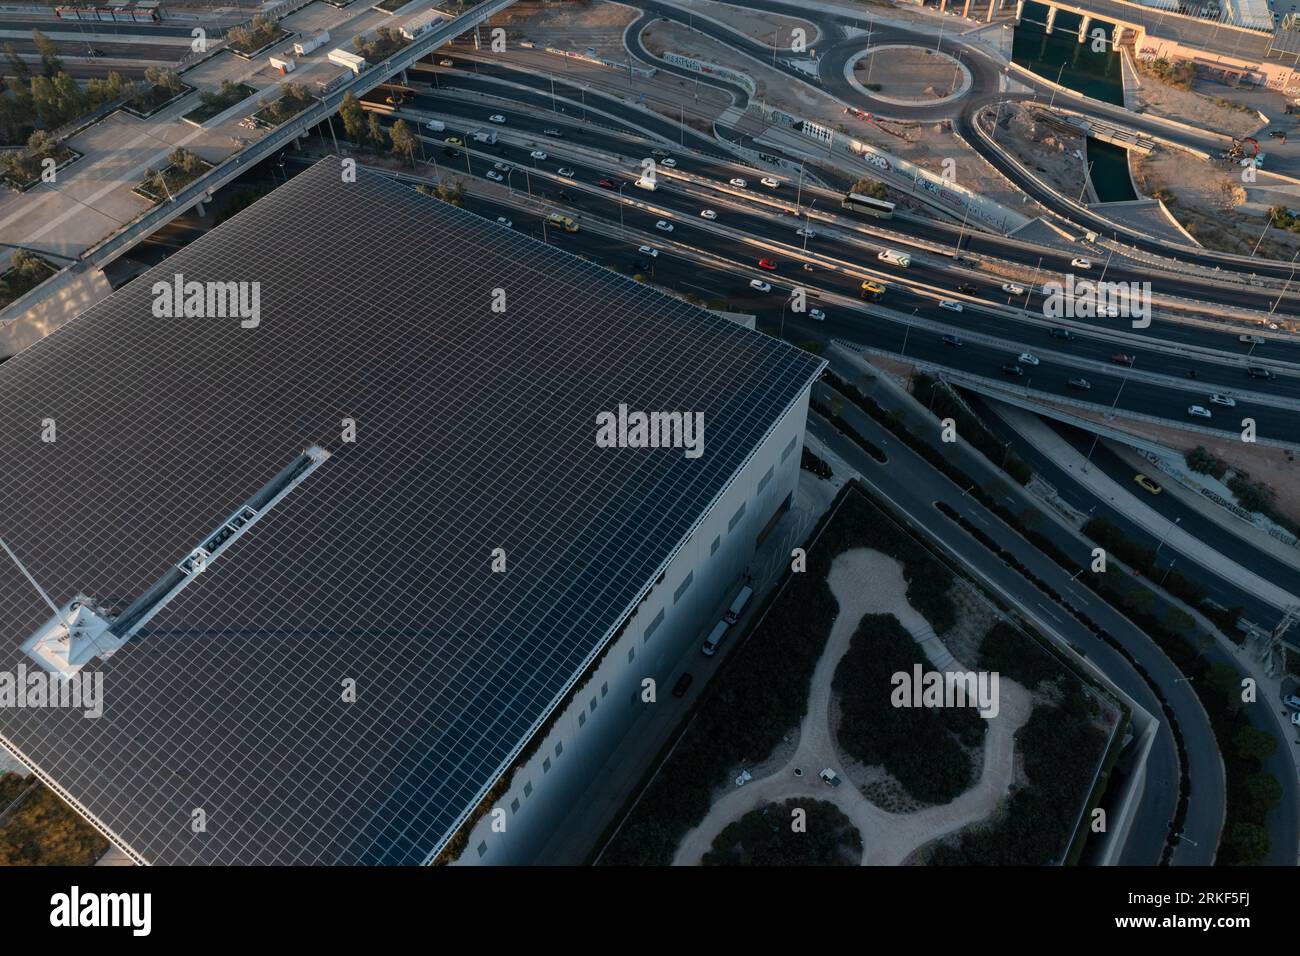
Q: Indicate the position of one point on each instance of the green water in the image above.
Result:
(1062, 55)
(1110, 172)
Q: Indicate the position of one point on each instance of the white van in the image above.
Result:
(900, 259)
(714, 639)
(436, 125)
(738, 605)
(644, 183)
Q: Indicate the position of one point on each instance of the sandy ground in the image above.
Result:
(868, 582)
(571, 26)
(758, 25)
(1045, 149)
(1194, 108)
(908, 73)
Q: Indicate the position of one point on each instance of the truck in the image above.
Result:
(714, 639)
(421, 24)
(343, 58)
(900, 259)
(326, 87)
(308, 44)
(283, 65)
(484, 136)
(561, 222)
(738, 605)
(1251, 339)
(437, 126)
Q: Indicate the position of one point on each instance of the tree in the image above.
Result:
(1264, 790)
(404, 142)
(866, 186)
(1252, 742)
(21, 70)
(1249, 841)
(375, 133)
(451, 191)
(354, 118)
(51, 65)
(165, 78)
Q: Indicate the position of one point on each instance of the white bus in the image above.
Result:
(872, 207)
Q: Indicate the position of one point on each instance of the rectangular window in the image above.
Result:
(528, 789)
(593, 705)
(631, 654)
(789, 449)
(765, 480)
(514, 805)
(482, 848)
(653, 626)
(559, 748)
(546, 765)
(735, 519)
(604, 689)
(582, 718)
(717, 543)
(681, 588)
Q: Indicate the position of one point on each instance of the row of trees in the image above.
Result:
(255, 34)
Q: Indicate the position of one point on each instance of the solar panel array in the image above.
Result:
(475, 430)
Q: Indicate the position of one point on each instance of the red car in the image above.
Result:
(607, 183)
(1119, 358)
(767, 264)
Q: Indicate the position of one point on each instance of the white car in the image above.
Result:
(496, 118)
(817, 314)
(708, 214)
(1010, 288)
(537, 154)
(950, 305)
(738, 182)
(650, 251)
(759, 285)
(1028, 358)
(495, 176)
(504, 221)
(565, 171)
(1080, 263)
(663, 225)
(769, 182)
(669, 163)
(810, 233)
(1198, 411)
(501, 167)
(1226, 401)
(446, 63)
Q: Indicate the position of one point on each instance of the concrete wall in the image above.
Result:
(583, 736)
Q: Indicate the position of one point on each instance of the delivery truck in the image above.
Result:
(308, 44)
(900, 259)
(343, 58)
(283, 65)
(484, 136)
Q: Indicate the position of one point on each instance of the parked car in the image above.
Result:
(768, 264)
(683, 684)
(1292, 701)
(829, 777)
(496, 118)
(950, 305)
(1146, 483)
(770, 182)
(538, 154)
(1226, 401)
(1198, 411)
(1011, 368)
(663, 225)
(1080, 263)
(1082, 383)
(1010, 288)
(952, 340)
(708, 214)
(759, 285)
(738, 182)
(650, 251)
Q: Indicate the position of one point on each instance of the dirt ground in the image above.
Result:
(908, 73)
(758, 25)
(571, 26)
(1045, 148)
(1194, 108)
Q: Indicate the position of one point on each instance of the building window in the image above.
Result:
(765, 480)
(528, 789)
(653, 626)
(631, 654)
(546, 765)
(789, 449)
(682, 588)
(735, 519)
(514, 805)
(482, 848)
(604, 689)
(593, 705)
(559, 748)
(717, 543)
(582, 718)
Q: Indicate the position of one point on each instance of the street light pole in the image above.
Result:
(1165, 536)
(621, 231)
(1113, 405)
(807, 224)
(798, 195)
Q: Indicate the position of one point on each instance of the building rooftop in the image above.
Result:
(201, 496)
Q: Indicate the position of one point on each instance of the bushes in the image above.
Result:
(1201, 459)
(765, 837)
(293, 100)
(380, 45)
(944, 404)
(866, 186)
(922, 747)
(1006, 650)
(257, 33)
(44, 831)
(26, 271)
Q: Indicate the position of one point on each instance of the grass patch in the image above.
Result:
(293, 100)
(45, 831)
(215, 102)
(182, 168)
(26, 271)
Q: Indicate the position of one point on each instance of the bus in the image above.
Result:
(872, 291)
(561, 222)
(872, 207)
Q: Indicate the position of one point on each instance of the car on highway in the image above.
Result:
(565, 171)
(1277, 134)
(453, 141)
(495, 176)
(768, 264)
(760, 285)
(1227, 401)
(874, 291)
(968, 288)
(817, 314)
(1119, 358)
(1198, 411)
(1082, 383)
(950, 305)
(606, 184)
(738, 182)
(952, 340)
(1065, 334)
(496, 118)
(1028, 358)
(641, 263)
(1255, 371)
(446, 63)
(538, 154)
(650, 251)
(683, 684)
(770, 182)
(553, 133)
(663, 225)
(1147, 484)
(501, 167)
(1011, 368)
(504, 221)
(1080, 263)
(708, 214)
(810, 233)
(668, 162)
(1010, 288)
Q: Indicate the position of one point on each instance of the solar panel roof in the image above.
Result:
(474, 431)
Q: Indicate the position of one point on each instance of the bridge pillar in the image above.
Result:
(993, 9)
(965, 11)
(1020, 10)
(1083, 27)
(943, 5)
(1051, 18)
(1116, 35)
